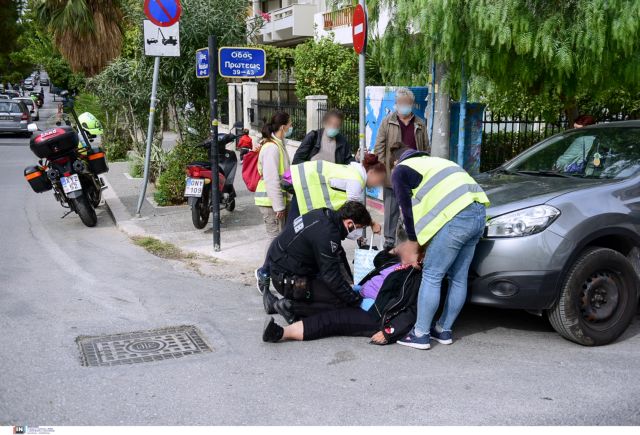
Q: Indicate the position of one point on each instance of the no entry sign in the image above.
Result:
(163, 13)
(359, 29)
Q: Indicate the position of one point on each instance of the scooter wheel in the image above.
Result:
(200, 213)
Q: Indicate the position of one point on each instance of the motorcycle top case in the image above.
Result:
(54, 142)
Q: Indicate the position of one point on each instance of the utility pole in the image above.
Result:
(441, 122)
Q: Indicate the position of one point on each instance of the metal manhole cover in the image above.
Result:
(141, 346)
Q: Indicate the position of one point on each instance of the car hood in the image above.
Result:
(513, 192)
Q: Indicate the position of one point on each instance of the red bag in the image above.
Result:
(250, 173)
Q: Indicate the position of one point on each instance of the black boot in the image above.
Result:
(268, 299)
(284, 307)
(272, 331)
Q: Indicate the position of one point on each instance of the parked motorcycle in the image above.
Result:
(69, 169)
(199, 177)
(39, 98)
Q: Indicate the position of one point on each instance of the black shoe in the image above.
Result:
(263, 280)
(272, 332)
(285, 309)
(268, 299)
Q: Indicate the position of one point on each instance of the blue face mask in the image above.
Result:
(289, 132)
(332, 132)
(404, 110)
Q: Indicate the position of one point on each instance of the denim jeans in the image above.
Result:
(449, 253)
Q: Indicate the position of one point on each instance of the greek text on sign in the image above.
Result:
(242, 62)
(202, 63)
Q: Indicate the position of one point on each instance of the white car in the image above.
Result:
(33, 108)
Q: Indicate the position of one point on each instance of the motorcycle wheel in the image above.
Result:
(84, 209)
(200, 210)
(95, 197)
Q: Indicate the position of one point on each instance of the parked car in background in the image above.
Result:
(14, 117)
(563, 233)
(44, 82)
(4, 97)
(12, 94)
(28, 85)
(31, 106)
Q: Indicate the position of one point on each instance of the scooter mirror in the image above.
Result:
(32, 127)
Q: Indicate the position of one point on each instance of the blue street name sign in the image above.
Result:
(202, 63)
(242, 62)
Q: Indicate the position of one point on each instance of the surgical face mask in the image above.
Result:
(355, 233)
(289, 132)
(405, 109)
(332, 132)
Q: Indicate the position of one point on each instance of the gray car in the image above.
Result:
(563, 233)
(14, 117)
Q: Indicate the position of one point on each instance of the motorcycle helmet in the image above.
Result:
(90, 124)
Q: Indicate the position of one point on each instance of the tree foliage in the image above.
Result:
(11, 69)
(325, 67)
(555, 49)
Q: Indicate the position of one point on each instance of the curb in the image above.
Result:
(123, 220)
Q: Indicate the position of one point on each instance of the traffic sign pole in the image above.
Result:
(359, 33)
(152, 112)
(215, 158)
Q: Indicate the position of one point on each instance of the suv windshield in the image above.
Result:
(610, 152)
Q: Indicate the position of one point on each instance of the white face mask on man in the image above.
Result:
(354, 233)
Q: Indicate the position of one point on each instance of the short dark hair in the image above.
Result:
(333, 113)
(397, 150)
(356, 211)
(585, 120)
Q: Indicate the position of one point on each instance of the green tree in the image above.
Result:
(11, 69)
(327, 68)
(87, 32)
(555, 49)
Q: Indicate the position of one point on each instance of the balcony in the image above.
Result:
(288, 25)
(337, 23)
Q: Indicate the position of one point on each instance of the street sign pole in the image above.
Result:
(359, 34)
(213, 110)
(152, 112)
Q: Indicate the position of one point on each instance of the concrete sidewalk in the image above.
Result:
(243, 237)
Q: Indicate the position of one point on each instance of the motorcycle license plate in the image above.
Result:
(71, 183)
(194, 187)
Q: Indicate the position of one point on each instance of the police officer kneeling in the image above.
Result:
(309, 268)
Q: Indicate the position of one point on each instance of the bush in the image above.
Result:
(171, 183)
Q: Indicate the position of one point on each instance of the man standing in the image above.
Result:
(403, 126)
(443, 207)
(309, 266)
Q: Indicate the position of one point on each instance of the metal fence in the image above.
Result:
(504, 137)
(349, 125)
(262, 111)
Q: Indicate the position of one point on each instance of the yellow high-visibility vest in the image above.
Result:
(312, 184)
(445, 190)
(261, 198)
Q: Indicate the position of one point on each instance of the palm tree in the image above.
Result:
(88, 33)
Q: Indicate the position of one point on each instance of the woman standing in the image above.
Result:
(273, 161)
(327, 143)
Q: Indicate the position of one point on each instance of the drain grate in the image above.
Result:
(141, 346)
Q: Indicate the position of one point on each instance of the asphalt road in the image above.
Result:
(59, 280)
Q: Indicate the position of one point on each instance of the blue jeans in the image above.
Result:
(449, 253)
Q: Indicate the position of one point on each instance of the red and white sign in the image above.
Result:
(163, 13)
(359, 29)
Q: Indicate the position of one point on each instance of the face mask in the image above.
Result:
(289, 132)
(332, 132)
(404, 110)
(355, 233)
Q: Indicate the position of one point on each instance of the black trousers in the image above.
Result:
(322, 299)
(349, 321)
(294, 211)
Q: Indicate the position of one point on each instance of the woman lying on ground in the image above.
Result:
(391, 290)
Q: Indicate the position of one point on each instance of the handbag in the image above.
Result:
(363, 261)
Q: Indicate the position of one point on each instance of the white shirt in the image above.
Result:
(354, 189)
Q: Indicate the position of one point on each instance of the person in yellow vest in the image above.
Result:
(444, 207)
(321, 184)
(273, 161)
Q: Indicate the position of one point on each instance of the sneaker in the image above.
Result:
(443, 337)
(412, 340)
(263, 281)
(268, 299)
(285, 309)
(272, 332)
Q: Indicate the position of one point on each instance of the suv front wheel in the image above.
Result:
(598, 298)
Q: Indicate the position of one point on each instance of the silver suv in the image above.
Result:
(563, 233)
(14, 117)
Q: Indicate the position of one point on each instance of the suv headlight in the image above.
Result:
(523, 222)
